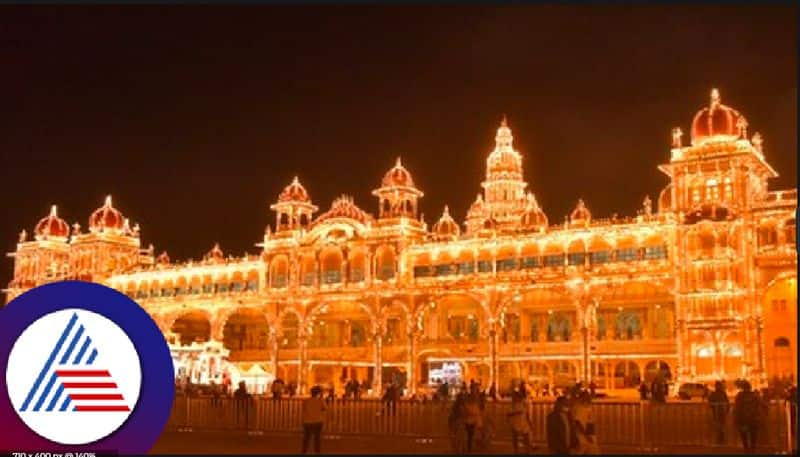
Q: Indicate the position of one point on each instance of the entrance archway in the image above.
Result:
(193, 326)
(780, 328)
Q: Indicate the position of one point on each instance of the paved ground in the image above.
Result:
(197, 442)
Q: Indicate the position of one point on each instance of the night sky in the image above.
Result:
(195, 118)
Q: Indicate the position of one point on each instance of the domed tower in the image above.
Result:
(476, 215)
(504, 187)
(717, 184)
(43, 259)
(293, 209)
(534, 217)
(110, 246)
(445, 229)
(397, 196)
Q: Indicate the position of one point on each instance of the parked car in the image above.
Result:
(690, 390)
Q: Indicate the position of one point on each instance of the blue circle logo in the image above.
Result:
(86, 369)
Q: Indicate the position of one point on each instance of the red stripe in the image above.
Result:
(90, 385)
(96, 396)
(102, 408)
(83, 373)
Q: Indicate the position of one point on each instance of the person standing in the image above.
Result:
(718, 401)
(520, 421)
(584, 425)
(747, 415)
(473, 417)
(561, 436)
(643, 391)
(313, 410)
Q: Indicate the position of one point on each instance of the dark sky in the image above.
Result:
(195, 118)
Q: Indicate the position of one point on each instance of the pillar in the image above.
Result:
(412, 364)
(681, 363)
(274, 351)
(377, 383)
(493, 357)
(585, 350)
(302, 364)
(762, 376)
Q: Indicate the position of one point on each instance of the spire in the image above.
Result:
(108, 201)
(504, 122)
(715, 98)
(398, 163)
(54, 211)
(677, 133)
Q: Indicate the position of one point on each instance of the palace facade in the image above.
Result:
(699, 285)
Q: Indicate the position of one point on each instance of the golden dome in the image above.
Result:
(398, 176)
(580, 214)
(294, 192)
(163, 258)
(51, 226)
(533, 217)
(446, 227)
(215, 254)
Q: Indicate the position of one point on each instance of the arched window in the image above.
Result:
(782, 342)
(602, 327)
(628, 326)
(534, 329)
(385, 263)
(331, 260)
(712, 190)
(511, 328)
(559, 327)
(279, 271)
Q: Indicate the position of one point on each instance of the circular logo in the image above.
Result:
(73, 376)
(86, 369)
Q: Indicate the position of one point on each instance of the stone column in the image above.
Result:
(377, 383)
(412, 364)
(302, 344)
(762, 376)
(273, 341)
(493, 369)
(681, 343)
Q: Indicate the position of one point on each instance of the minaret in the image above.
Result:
(504, 187)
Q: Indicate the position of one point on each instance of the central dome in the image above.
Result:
(717, 120)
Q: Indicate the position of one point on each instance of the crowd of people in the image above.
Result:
(570, 428)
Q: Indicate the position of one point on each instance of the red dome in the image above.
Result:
(294, 192)
(106, 217)
(397, 176)
(717, 119)
(52, 226)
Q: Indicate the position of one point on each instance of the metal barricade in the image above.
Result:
(645, 426)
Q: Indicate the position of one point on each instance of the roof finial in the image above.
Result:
(295, 180)
(677, 133)
(53, 211)
(108, 201)
(715, 99)
(446, 211)
(504, 122)
(757, 141)
(398, 163)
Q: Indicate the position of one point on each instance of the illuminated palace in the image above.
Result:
(700, 284)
